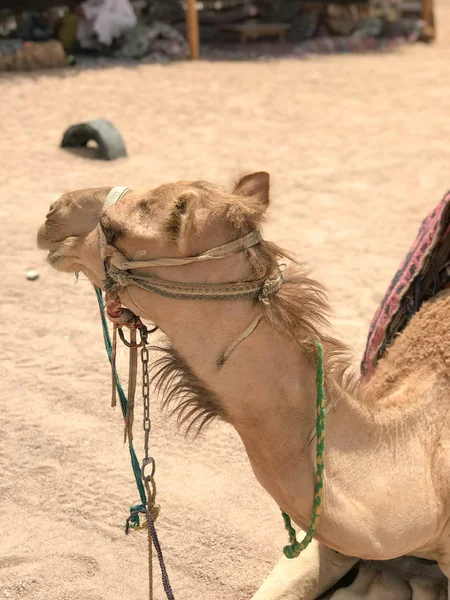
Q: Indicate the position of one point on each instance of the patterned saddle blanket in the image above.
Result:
(424, 272)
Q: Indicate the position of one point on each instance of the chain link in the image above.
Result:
(148, 460)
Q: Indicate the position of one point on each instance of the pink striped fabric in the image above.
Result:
(427, 260)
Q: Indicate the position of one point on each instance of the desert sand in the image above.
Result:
(358, 148)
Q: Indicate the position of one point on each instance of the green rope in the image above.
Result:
(123, 399)
(133, 521)
(294, 548)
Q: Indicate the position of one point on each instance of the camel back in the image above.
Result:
(424, 272)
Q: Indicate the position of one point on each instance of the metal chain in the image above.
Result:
(147, 423)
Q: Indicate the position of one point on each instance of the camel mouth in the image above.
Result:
(63, 256)
(54, 259)
(43, 242)
(61, 251)
(46, 239)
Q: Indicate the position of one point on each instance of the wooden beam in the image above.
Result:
(429, 32)
(193, 29)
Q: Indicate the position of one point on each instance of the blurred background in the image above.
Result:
(156, 30)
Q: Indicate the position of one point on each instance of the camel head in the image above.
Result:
(173, 220)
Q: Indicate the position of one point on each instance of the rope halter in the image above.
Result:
(119, 276)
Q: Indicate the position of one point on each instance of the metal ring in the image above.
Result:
(126, 342)
(144, 331)
(145, 463)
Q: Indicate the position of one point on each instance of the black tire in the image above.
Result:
(108, 138)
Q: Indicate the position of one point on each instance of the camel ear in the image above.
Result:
(250, 200)
(255, 187)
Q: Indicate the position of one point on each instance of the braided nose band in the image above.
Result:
(119, 277)
(259, 289)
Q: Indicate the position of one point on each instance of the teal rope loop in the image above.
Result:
(294, 548)
(123, 399)
(133, 520)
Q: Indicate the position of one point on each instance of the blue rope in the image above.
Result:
(123, 399)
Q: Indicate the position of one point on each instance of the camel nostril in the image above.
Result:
(51, 209)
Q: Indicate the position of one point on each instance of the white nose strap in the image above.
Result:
(114, 195)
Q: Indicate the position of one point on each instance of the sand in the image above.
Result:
(358, 148)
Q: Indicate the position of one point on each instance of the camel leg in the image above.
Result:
(424, 591)
(305, 578)
(445, 568)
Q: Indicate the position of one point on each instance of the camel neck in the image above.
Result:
(267, 392)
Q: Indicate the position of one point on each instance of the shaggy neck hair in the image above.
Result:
(299, 308)
(183, 394)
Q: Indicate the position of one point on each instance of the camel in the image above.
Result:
(251, 361)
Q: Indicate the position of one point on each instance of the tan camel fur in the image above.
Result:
(387, 458)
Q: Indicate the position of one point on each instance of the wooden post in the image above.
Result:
(193, 29)
(429, 32)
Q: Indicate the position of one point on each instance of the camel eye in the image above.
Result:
(109, 235)
(182, 204)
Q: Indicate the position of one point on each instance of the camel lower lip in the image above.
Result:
(41, 241)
